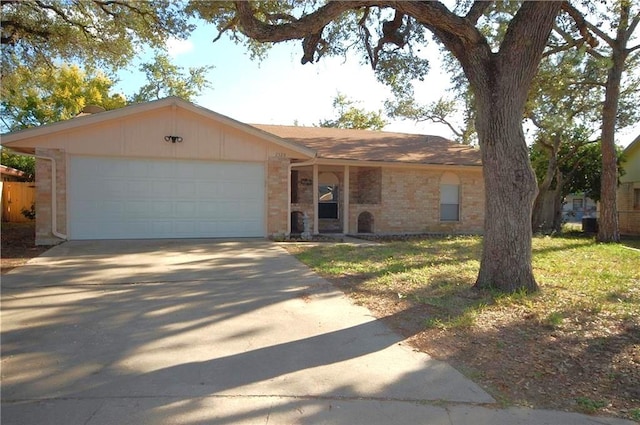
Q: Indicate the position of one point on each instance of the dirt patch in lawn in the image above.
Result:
(18, 245)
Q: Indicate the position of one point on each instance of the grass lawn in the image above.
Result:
(574, 345)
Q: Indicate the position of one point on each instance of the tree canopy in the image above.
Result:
(350, 116)
(105, 33)
(165, 78)
(389, 37)
(46, 95)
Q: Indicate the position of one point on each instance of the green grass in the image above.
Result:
(579, 331)
(576, 275)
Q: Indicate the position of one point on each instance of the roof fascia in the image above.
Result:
(389, 164)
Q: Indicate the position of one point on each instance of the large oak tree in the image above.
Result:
(107, 33)
(499, 76)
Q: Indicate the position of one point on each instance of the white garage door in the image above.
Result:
(146, 199)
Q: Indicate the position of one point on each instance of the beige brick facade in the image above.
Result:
(277, 196)
(629, 208)
(395, 178)
(401, 200)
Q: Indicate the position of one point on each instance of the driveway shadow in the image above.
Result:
(246, 321)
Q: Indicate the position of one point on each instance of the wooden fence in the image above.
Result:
(17, 196)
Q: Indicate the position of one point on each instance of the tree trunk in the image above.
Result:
(500, 81)
(540, 217)
(500, 84)
(557, 205)
(608, 221)
(509, 195)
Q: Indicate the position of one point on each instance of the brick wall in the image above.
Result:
(277, 196)
(43, 196)
(404, 200)
(628, 215)
(410, 203)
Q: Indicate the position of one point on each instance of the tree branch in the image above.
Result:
(632, 27)
(584, 26)
(477, 10)
(312, 23)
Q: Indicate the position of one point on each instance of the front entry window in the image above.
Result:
(328, 197)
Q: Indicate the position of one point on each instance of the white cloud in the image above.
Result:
(177, 47)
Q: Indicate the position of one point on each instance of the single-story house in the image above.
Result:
(171, 169)
(629, 190)
(576, 206)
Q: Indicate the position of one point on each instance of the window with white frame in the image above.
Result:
(449, 197)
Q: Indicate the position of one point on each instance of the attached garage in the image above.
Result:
(163, 169)
(114, 198)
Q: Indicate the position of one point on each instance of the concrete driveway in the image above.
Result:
(212, 332)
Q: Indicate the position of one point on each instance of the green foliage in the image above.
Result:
(98, 32)
(33, 97)
(354, 118)
(589, 405)
(164, 78)
(579, 163)
(23, 163)
(29, 213)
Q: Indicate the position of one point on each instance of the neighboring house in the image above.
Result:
(170, 169)
(576, 206)
(629, 191)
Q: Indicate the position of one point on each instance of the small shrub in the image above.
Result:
(554, 319)
(29, 213)
(590, 406)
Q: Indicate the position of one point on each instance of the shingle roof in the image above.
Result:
(367, 145)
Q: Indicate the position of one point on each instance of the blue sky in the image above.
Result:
(280, 90)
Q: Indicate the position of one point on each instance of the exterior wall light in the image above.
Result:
(173, 139)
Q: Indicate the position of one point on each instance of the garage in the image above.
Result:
(158, 170)
(124, 198)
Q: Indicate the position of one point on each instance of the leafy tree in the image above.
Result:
(98, 32)
(45, 95)
(617, 53)
(164, 78)
(578, 169)
(564, 107)
(388, 35)
(351, 117)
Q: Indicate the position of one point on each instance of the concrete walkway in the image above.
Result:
(214, 332)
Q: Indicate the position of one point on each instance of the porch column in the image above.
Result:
(316, 199)
(345, 210)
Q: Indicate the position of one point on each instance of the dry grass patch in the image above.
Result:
(574, 345)
(18, 244)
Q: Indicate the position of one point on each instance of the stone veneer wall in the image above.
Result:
(43, 196)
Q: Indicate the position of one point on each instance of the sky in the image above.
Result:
(280, 90)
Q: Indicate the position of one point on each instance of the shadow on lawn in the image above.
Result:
(574, 358)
